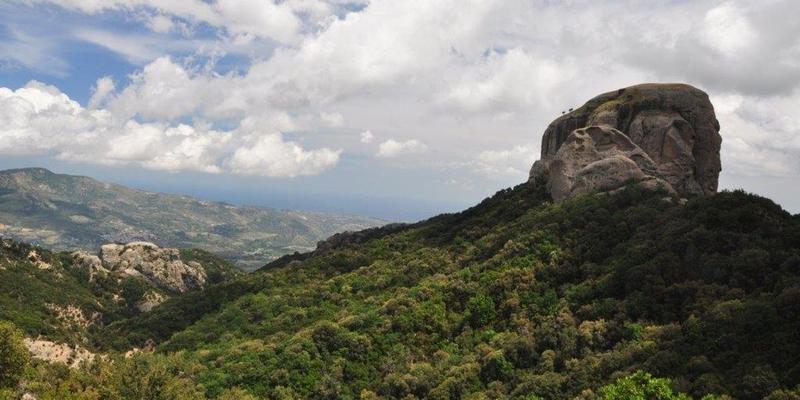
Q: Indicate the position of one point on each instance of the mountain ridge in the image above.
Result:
(66, 212)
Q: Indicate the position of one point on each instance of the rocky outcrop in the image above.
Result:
(54, 352)
(36, 259)
(91, 263)
(662, 135)
(162, 266)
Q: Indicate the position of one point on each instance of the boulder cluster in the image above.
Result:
(663, 136)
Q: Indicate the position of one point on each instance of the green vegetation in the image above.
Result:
(641, 386)
(217, 269)
(625, 296)
(13, 356)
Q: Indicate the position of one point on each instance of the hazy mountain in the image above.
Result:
(63, 212)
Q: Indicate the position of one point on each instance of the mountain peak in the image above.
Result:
(663, 135)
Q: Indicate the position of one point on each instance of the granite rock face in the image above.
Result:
(599, 158)
(663, 135)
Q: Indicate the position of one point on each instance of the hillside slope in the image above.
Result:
(65, 212)
(515, 298)
(60, 297)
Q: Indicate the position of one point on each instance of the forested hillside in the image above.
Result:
(515, 298)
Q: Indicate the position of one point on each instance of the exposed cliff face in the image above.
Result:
(664, 134)
(600, 158)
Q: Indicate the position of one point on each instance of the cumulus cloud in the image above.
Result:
(41, 120)
(392, 148)
(733, 47)
(507, 81)
(167, 90)
(481, 74)
(271, 156)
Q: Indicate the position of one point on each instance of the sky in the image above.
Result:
(395, 109)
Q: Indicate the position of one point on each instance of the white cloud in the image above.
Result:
(507, 81)
(734, 47)
(40, 120)
(264, 18)
(760, 136)
(460, 76)
(271, 156)
(166, 90)
(367, 137)
(392, 148)
(727, 29)
(514, 162)
(160, 23)
(39, 53)
(136, 48)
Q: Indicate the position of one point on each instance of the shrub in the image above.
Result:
(13, 355)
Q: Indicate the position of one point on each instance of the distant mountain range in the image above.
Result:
(65, 212)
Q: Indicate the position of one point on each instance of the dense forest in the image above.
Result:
(634, 295)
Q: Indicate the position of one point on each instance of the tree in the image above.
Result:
(640, 386)
(13, 355)
(480, 310)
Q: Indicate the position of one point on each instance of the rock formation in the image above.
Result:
(662, 135)
(91, 263)
(161, 266)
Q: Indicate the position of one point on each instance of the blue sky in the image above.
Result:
(394, 109)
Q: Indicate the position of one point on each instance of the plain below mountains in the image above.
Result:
(66, 212)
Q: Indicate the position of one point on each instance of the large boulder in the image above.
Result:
(664, 135)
